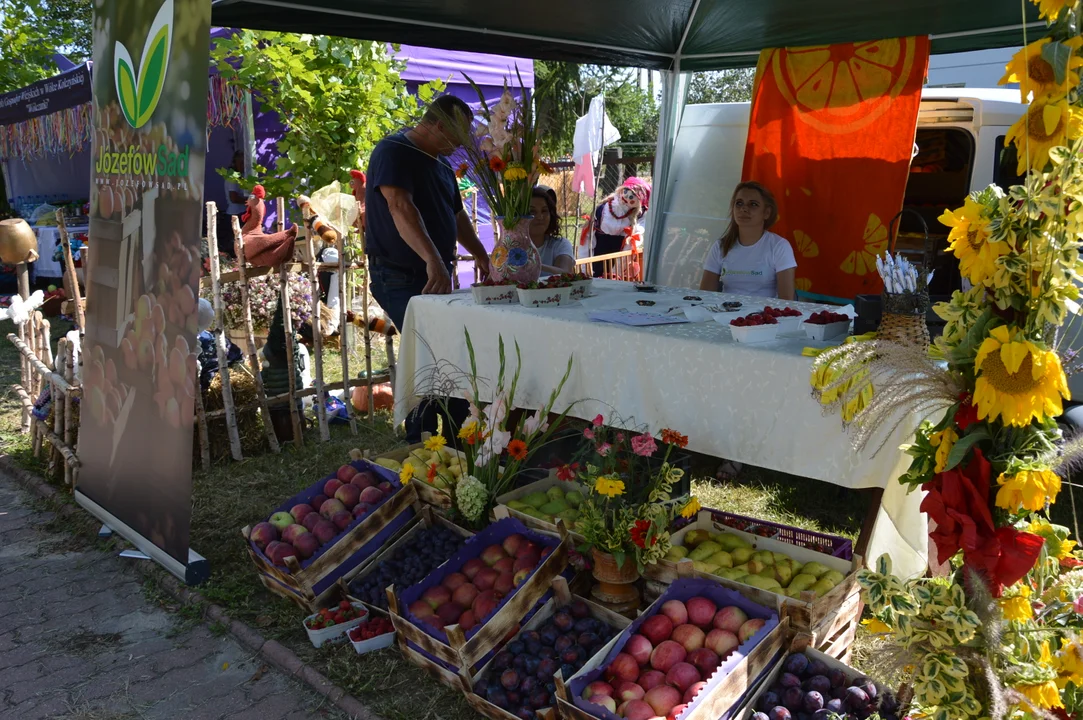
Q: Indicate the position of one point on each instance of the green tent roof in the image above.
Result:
(704, 34)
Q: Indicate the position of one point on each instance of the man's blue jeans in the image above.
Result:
(393, 287)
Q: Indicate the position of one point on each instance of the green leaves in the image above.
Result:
(962, 446)
(1057, 54)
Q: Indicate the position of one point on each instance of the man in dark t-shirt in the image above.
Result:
(414, 215)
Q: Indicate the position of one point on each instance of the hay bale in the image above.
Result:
(249, 423)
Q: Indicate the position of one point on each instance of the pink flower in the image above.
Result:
(598, 420)
(588, 434)
(1078, 605)
(604, 449)
(620, 437)
(644, 445)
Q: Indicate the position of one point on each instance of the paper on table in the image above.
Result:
(637, 319)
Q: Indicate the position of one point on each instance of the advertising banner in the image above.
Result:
(46, 96)
(139, 361)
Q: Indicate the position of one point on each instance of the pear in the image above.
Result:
(569, 516)
(574, 498)
(729, 541)
(722, 559)
(815, 569)
(535, 499)
(676, 552)
(446, 455)
(763, 583)
(833, 576)
(741, 555)
(783, 574)
(756, 566)
(693, 538)
(801, 582)
(389, 464)
(704, 550)
(555, 493)
(704, 567)
(422, 455)
(821, 588)
(780, 557)
(793, 593)
(554, 507)
(764, 556)
(421, 472)
(517, 505)
(743, 567)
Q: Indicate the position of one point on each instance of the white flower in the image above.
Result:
(500, 118)
(471, 497)
(481, 130)
(492, 447)
(506, 104)
(500, 137)
(536, 422)
(498, 411)
(487, 146)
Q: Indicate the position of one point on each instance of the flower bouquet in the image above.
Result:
(263, 297)
(502, 158)
(629, 506)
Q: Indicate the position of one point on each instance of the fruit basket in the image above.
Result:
(416, 551)
(529, 504)
(332, 624)
(305, 571)
(433, 492)
(826, 325)
(831, 685)
(502, 294)
(733, 638)
(551, 629)
(789, 319)
(452, 648)
(753, 328)
(833, 545)
(765, 570)
(375, 633)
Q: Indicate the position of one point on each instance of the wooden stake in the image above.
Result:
(253, 355)
(69, 265)
(201, 424)
(287, 321)
(317, 339)
(368, 339)
(58, 411)
(46, 334)
(344, 352)
(219, 334)
(68, 372)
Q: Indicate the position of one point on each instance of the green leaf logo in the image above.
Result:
(139, 93)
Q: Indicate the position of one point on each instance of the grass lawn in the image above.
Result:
(232, 495)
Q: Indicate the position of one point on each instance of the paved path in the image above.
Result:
(79, 640)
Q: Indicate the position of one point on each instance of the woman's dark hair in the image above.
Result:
(732, 234)
(448, 106)
(547, 194)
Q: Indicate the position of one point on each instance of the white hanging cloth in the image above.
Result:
(593, 132)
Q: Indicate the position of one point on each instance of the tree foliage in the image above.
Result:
(563, 94)
(721, 86)
(31, 31)
(337, 98)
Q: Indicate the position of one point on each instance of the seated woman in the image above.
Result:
(749, 260)
(556, 253)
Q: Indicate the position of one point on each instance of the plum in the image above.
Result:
(509, 679)
(525, 712)
(531, 635)
(587, 640)
(549, 636)
(502, 661)
(789, 680)
(514, 697)
(533, 647)
(812, 701)
(791, 697)
(519, 662)
(564, 621)
(796, 664)
(760, 716)
(768, 700)
(516, 647)
(563, 643)
(779, 713)
(585, 625)
(546, 668)
(838, 678)
(533, 662)
(567, 670)
(572, 655)
(868, 686)
(819, 683)
(497, 696)
(528, 685)
(834, 705)
(856, 699)
(541, 698)
(547, 652)
(816, 667)
(579, 610)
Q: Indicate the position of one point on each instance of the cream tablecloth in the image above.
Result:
(745, 402)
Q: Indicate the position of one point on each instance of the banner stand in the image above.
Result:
(195, 572)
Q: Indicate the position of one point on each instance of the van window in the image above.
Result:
(1005, 165)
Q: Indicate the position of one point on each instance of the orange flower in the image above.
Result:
(461, 171)
(672, 437)
(517, 449)
(496, 163)
(432, 473)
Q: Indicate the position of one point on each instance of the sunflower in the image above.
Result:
(1048, 123)
(969, 240)
(1036, 75)
(406, 473)
(1069, 664)
(1017, 608)
(1017, 380)
(435, 442)
(875, 626)
(1051, 9)
(1027, 489)
(943, 441)
(691, 508)
(515, 172)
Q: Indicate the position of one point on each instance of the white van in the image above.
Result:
(963, 127)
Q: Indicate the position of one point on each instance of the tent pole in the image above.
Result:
(673, 97)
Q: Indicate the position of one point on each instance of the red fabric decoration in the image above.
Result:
(358, 175)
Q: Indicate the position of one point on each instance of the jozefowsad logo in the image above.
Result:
(138, 94)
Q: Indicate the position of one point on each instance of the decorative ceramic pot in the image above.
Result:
(616, 585)
(17, 241)
(514, 256)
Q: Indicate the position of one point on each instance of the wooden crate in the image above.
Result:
(426, 493)
(561, 596)
(425, 518)
(461, 654)
(310, 585)
(729, 684)
(808, 613)
(835, 636)
(501, 510)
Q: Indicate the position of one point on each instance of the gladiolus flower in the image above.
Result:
(597, 421)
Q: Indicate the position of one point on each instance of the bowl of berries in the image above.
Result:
(581, 284)
(372, 634)
(553, 291)
(754, 328)
(789, 319)
(826, 325)
(495, 292)
(331, 624)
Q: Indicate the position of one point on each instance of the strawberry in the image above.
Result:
(345, 605)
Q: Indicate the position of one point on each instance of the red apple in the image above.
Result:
(624, 668)
(263, 534)
(420, 609)
(504, 565)
(683, 676)
(705, 660)
(722, 642)
(640, 648)
(521, 576)
(301, 511)
(325, 531)
(277, 552)
(667, 654)
(364, 479)
(318, 502)
(311, 520)
(750, 628)
(651, 678)
(630, 691)
(342, 519)
(693, 690)
(454, 580)
(348, 495)
(331, 487)
(730, 618)
(361, 509)
(597, 689)
(676, 711)
(467, 621)
(471, 567)
(512, 542)
(330, 507)
(525, 562)
(638, 710)
(690, 636)
(701, 612)
(484, 604)
(436, 596)
(505, 583)
(492, 555)
(293, 532)
(465, 594)
(306, 545)
(371, 495)
(607, 702)
(485, 579)
(675, 611)
(657, 628)
(531, 548)
(449, 613)
(662, 699)
(345, 473)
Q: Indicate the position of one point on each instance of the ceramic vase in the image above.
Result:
(514, 256)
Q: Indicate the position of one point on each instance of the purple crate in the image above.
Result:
(369, 548)
(683, 589)
(832, 545)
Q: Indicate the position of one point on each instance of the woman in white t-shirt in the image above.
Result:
(557, 255)
(749, 260)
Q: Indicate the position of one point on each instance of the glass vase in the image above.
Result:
(514, 256)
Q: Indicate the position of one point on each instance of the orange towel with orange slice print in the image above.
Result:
(831, 135)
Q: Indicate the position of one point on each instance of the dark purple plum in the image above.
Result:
(585, 625)
(812, 701)
(515, 647)
(816, 667)
(580, 610)
(834, 705)
(533, 647)
(564, 621)
(546, 669)
(791, 697)
(541, 699)
(497, 696)
(768, 700)
(789, 680)
(567, 670)
(547, 652)
(779, 713)
(838, 678)
(502, 661)
(839, 693)
(528, 685)
(819, 683)
(532, 664)
(563, 643)
(519, 662)
(760, 716)
(509, 679)
(531, 635)
(796, 664)
(868, 686)
(588, 640)
(823, 715)
(549, 635)
(572, 655)
(857, 699)
(514, 697)
(481, 686)
(525, 712)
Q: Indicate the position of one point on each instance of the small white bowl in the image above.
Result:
(790, 324)
(581, 288)
(376, 643)
(754, 333)
(495, 294)
(335, 632)
(545, 297)
(828, 331)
